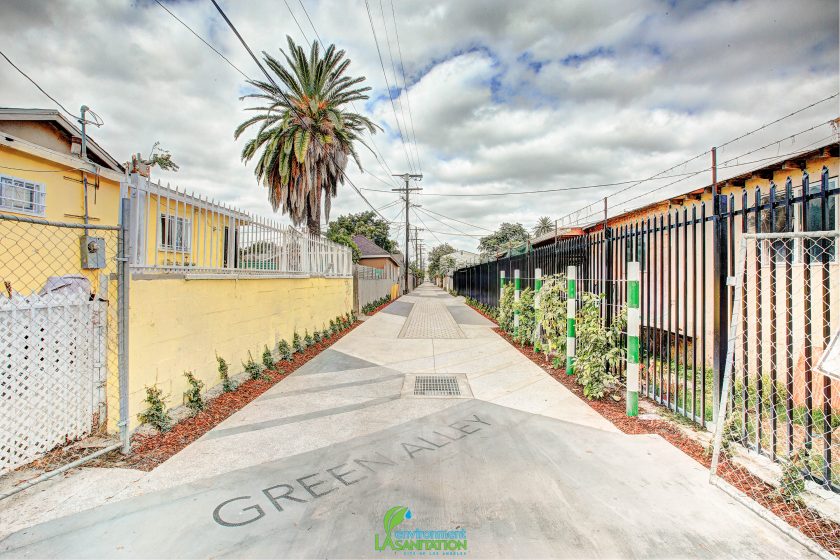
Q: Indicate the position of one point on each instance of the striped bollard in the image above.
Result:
(516, 290)
(634, 319)
(538, 316)
(501, 285)
(571, 307)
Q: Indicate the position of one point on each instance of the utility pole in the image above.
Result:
(407, 191)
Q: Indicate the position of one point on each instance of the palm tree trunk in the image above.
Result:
(313, 218)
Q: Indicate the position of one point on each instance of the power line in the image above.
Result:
(388, 85)
(394, 70)
(25, 75)
(200, 38)
(438, 220)
(427, 227)
(456, 220)
(305, 38)
(405, 87)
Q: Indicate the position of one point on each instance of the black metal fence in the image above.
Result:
(686, 255)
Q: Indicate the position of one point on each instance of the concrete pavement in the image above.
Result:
(310, 469)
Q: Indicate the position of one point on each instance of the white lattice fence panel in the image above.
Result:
(49, 391)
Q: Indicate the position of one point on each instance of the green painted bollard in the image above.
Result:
(516, 291)
(634, 319)
(537, 314)
(571, 307)
(501, 285)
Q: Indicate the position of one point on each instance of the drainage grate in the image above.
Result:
(436, 386)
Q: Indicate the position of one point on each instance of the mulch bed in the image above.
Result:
(823, 531)
(149, 451)
(380, 308)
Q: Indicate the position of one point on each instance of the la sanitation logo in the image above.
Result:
(449, 543)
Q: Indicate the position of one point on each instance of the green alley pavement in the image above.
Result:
(342, 459)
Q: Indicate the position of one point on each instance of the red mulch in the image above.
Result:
(823, 531)
(149, 451)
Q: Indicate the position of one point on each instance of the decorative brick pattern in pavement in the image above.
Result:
(430, 319)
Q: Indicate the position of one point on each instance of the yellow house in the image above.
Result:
(43, 176)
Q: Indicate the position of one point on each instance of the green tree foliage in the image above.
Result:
(507, 236)
(158, 157)
(435, 255)
(598, 349)
(363, 223)
(343, 239)
(553, 313)
(506, 309)
(544, 225)
(305, 134)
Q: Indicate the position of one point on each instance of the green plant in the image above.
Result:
(527, 316)
(316, 336)
(333, 328)
(252, 368)
(307, 339)
(553, 314)
(284, 350)
(792, 483)
(297, 343)
(227, 383)
(192, 396)
(598, 348)
(155, 414)
(267, 358)
(506, 308)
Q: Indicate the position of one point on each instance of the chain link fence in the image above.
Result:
(779, 438)
(61, 308)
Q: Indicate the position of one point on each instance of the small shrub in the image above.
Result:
(227, 383)
(598, 348)
(316, 336)
(267, 359)
(297, 343)
(192, 396)
(252, 368)
(155, 414)
(527, 316)
(792, 483)
(553, 307)
(332, 327)
(284, 350)
(307, 339)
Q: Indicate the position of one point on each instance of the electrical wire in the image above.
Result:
(200, 38)
(416, 215)
(387, 84)
(405, 87)
(455, 220)
(42, 90)
(305, 38)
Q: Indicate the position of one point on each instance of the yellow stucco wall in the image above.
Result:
(31, 253)
(177, 325)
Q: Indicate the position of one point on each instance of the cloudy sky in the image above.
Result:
(503, 96)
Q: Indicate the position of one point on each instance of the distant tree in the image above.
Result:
(363, 223)
(342, 238)
(161, 158)
(507, 236)
(544, 225)
(434, 258)
(447, 265)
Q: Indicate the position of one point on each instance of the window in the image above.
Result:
(175, 233)
(20, 195)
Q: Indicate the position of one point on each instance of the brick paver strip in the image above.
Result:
(430, 319)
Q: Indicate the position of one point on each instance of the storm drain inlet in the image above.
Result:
(436, 386)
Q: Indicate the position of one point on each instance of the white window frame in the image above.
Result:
(177, 224)
(36, 206)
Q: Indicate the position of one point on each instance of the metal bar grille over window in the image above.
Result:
(780, 411)
(60, 311)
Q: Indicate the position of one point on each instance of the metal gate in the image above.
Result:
(62, 342)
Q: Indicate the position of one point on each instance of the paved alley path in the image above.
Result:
(522, 468)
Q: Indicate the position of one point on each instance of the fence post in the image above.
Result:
(517, 284)
(123, 273)
(501, 285)
(720, 295)
(571, 305)
(537, 314)
(634, 318)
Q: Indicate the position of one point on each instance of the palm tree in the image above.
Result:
(305, 134)
(544, 225)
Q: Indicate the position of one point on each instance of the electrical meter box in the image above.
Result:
(93, 252)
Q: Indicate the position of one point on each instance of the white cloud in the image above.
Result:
(505, 97)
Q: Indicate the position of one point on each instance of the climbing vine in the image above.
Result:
(527, 316)
(598, 348)
(553, 314)
(506, 308)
